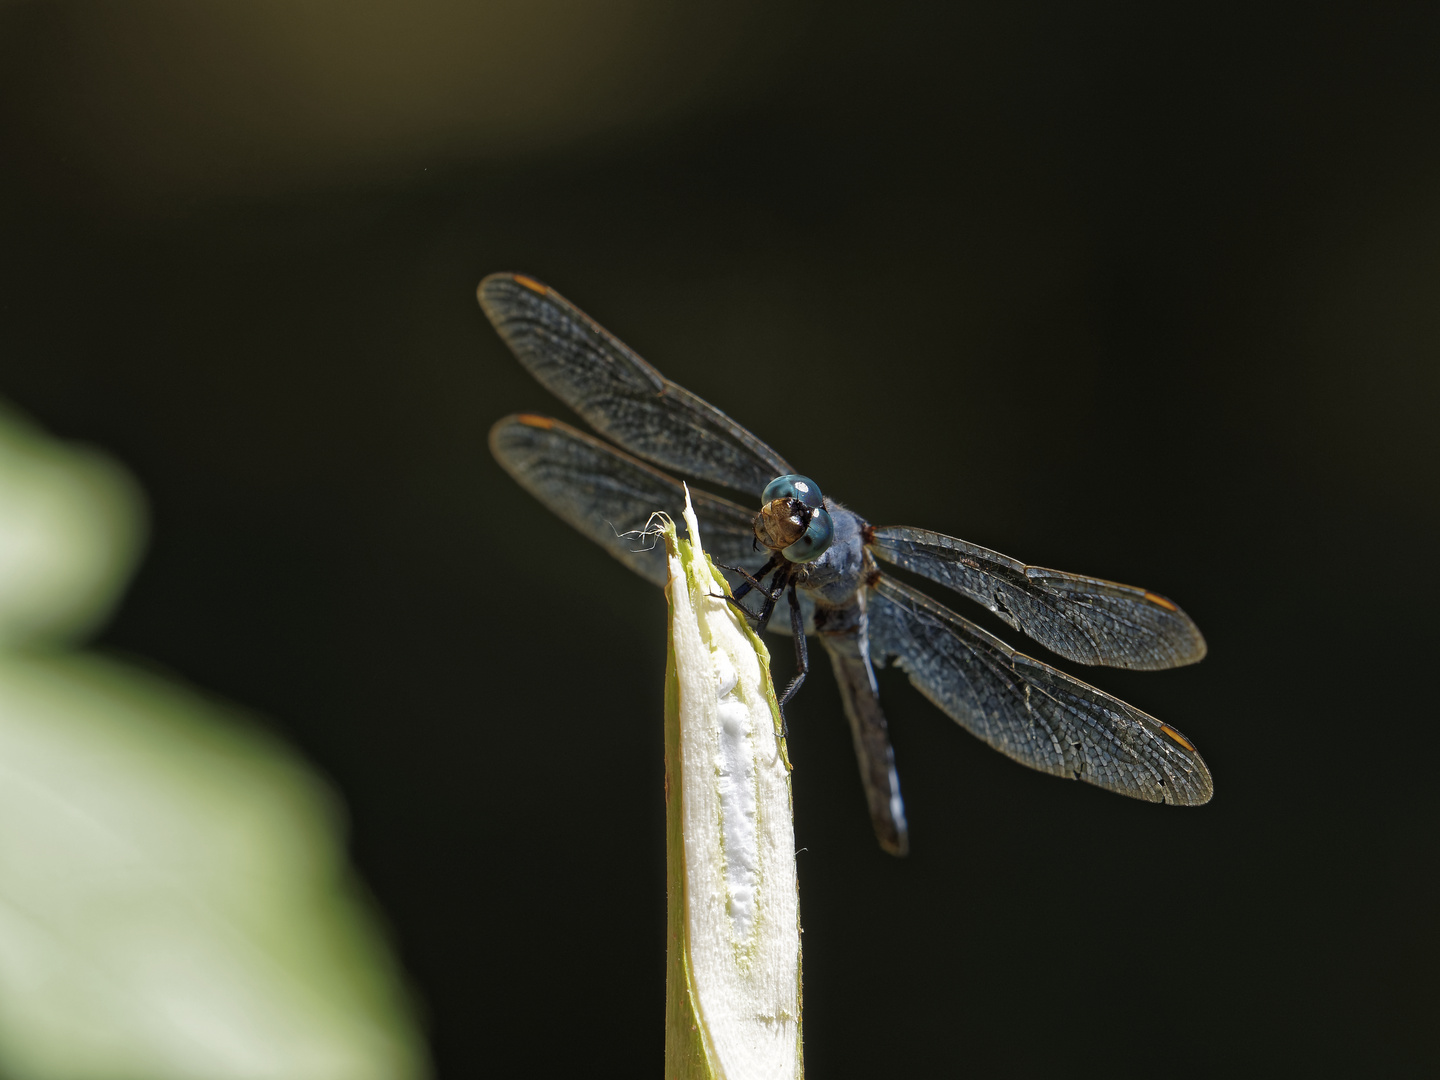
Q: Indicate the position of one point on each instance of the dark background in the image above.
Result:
(1147, 293)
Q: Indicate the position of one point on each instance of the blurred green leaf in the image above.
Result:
(71, 529)
(174, 898)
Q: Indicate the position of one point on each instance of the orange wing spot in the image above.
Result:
(1156, 598)
(1186, 743)
(531, 284)
(531, 420)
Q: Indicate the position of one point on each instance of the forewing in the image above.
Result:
(610, 496)
(1088, 620)
(619, 394)
(1027, 710)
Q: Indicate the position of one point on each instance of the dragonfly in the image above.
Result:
(824, 559)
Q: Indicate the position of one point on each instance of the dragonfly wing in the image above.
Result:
(619, 394)
(1088, 620)
(870, 732)
(1027, 710)
(610, 496)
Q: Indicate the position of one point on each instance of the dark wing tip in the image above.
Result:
(1189, 643)
(1202, 785)
(1200, 649)
(1198, 786)
(507, 424)
(495, 290)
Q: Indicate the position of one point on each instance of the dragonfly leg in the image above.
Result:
(750, 582)
(736, 604)
(768, 608)
(745, 586)
(802, 659)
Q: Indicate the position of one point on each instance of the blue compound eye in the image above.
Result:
(816, 539)
(794, 486)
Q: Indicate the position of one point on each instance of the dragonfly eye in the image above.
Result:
(818, 535)
(794, 486)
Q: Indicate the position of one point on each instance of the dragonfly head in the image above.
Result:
(793, 519)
